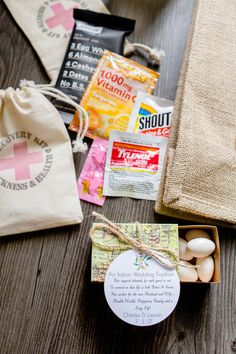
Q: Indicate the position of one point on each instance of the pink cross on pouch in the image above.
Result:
(21, 161)
(61, 17)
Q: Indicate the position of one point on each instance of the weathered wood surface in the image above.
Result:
(47, 303)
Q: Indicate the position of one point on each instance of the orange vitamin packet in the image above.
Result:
(111, 94)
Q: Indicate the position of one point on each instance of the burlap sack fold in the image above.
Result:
(200, 179)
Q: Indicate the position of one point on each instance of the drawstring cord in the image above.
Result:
(49, 90)
(154, 55)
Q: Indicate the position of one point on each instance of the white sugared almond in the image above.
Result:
(206, 269)
(196, 233)
(200, 247)
(187, 274)
(184, 254)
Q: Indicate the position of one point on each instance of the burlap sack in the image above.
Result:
(37, 178)
(200, 178)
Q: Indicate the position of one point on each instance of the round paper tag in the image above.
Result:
(139, 290)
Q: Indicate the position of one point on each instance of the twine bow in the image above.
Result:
(161, 255)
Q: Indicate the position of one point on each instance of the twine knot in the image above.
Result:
(79, 146)
(26, 83)
(155, 56)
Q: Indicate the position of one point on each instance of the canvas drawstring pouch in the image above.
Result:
(37, 177)
(48, 25)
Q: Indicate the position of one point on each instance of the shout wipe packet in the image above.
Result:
(151, 115)
(134, 165)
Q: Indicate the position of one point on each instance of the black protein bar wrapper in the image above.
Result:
(93, 32)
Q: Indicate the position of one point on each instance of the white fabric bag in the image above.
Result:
(37, 177)
(48, 25)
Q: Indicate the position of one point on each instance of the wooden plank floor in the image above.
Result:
(47, 303)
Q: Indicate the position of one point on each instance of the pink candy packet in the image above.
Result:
(90, 182)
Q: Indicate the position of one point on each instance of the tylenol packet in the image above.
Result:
(134, 165)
